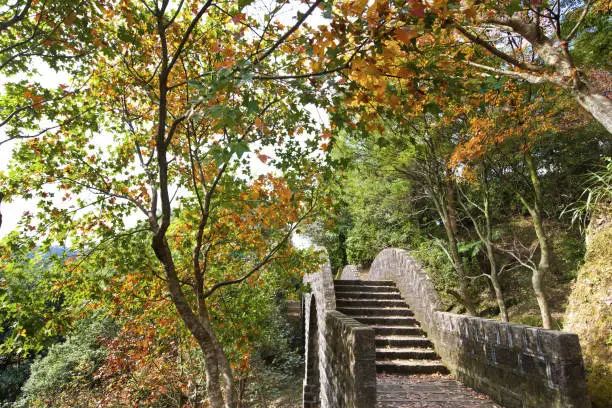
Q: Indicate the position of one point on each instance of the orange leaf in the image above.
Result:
(405, 35)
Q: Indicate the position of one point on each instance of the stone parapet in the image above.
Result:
(517, 365)
(351, 350)
(321, 300)
(350, 272)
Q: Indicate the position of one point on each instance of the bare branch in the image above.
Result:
(493, 50)
(534, 79)
(17, 17)
(282, 39)
(580, 21)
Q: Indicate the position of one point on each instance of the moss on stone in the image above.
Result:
(589, 314)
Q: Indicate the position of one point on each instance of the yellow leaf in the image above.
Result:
(358, 6)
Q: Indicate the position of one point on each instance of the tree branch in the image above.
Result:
(264, 261)
(281, 40)
(493, 50)
(580, 21)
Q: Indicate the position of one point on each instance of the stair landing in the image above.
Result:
(429, 391)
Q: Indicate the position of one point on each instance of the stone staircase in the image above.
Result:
(401, 346)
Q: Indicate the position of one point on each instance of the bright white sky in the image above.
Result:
(12, 212)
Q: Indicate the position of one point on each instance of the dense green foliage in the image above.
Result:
(384, 201)
(68, 365)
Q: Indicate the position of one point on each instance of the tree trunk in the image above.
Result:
(543, 267)
(193, 323)
(227, 375)
(499, 296)
(463, 282)
(597, 105)
(449, 219)
(458, 265)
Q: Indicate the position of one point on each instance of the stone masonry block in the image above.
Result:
(534, 365)
(504, 334)
(567, 376)
(491, 331)
(560, 346)
(506, 357)
(531, 341)
(517, 335)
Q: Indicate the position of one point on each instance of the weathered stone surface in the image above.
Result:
(340, 352)
(316, 304)
(350, 272)
(428, 391)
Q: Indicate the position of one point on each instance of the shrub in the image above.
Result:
(12, 378)
(66, 364)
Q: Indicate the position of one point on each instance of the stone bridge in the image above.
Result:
(514, 365)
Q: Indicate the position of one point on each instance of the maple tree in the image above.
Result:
(535, 41)
(186, 91)
(507, 118)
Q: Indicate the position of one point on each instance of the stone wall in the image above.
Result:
(323, 299)
(350, 272)
(519, 366)
(352, 351)
(340, 353)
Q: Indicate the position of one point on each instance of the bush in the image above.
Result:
(66, 364)
(12, 378)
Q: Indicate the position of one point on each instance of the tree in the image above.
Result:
(429, 170)
(185, 89)
(515, 118)
(484, 228)
(535, 41)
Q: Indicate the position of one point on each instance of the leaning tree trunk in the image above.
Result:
(203, 337)
(449, 218)
(597, 105)
(556, 55)
(227, 375)
(499, 295)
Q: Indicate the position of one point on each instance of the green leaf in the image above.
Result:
(513, 7)
(243, 3)
(247, 76)
(252, 106)
(240, 148)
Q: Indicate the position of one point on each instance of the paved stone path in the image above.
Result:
(432, 391)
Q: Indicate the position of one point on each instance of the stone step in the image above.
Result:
(368, 295)
(370, 303)
(398, 330)
(386, 320)
(364, 288)
(402, 341)
(364, 282)
(405, 353)
(376, 311)
(410, 367)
